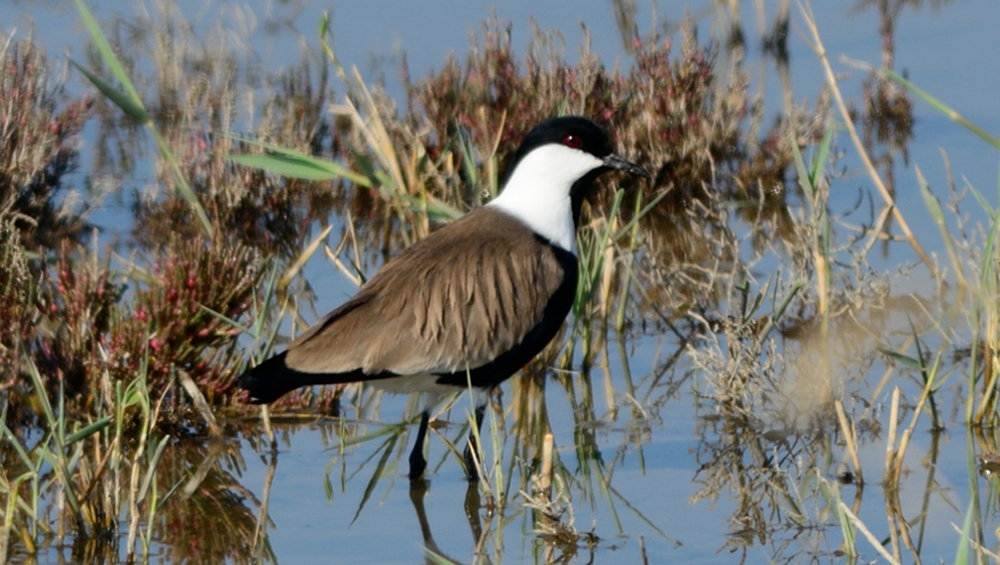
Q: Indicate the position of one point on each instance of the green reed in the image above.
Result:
(984, 318)
(82, 468)
(975, 299)
(131, 103)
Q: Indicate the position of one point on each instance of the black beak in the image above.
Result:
(613, 161)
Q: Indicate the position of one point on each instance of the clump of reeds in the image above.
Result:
(18, 290)
(172, 322)
(184, 313)
(763, 440)
(38, 129)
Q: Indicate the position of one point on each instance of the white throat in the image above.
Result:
(537, 192)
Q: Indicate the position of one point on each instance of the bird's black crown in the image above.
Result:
(592, 138)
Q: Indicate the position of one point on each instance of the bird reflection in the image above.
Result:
(473, 504)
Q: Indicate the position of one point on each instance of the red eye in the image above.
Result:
(572, 141)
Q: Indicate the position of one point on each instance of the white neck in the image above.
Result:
(538, 191)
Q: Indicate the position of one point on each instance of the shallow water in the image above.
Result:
(658, 469)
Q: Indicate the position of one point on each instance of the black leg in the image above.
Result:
(471, 454)
(418, 464)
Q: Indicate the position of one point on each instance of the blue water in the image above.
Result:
(950, 52)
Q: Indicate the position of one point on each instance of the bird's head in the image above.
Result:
(552, 171)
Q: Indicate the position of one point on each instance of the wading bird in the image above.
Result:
(471, 303)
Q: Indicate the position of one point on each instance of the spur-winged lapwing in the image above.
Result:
(471, 303)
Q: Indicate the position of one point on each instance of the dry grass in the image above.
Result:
(38, 129)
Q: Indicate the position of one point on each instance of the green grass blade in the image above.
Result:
(910, 362)
(376, 475)
(962, 553)
(434, 557)
(281, 157)
(226, 319)
(934, 207)
(266, 300)
(88, 430)
(383, 431)
(131, 103)
(64, 475)
(107, 53)
(437, 209)
(943, 108)
(298, 167)
(624, 230)
(649, 522)
(831, 493)
(468, 153)
(133, 108)
(983, 202)
(324, 27)
(820, 158)
(182, 185)
(296, 164)
(151, 471)
(43, 397)
(801, 170)
(14, 442)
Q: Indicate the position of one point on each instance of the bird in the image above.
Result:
(470, 304)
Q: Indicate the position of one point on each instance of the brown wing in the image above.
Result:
(453, 301)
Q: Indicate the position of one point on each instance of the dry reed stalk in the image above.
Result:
(334, 255)
(888, 477)
(260, 531)
(545, 480)
(831, 79)
(860, 526)
(851, 439)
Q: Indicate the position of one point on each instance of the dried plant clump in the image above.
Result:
(887, 114)
(18, 288)
(491, 90)
(82, 327)
(553, 521)
(78, 300)
(38, 131)
(201, 92)
(246, 206)
(175, 322)
(674, 112)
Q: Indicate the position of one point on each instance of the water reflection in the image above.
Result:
(473, 505)
(773, 453)
(199, 510)
(210, 497)
(770, 450)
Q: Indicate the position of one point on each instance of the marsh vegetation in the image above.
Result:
(765, 293)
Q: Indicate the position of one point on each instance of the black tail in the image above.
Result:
(273, 378)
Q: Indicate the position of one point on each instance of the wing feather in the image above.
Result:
(453, 301)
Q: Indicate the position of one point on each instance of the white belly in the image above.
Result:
(408, 384)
